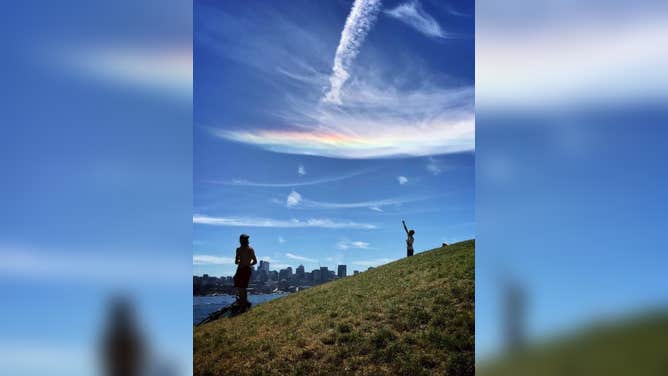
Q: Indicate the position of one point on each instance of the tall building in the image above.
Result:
(356, 272)
(324, 274)
(283, 274)
(300, 272)
(264, 265)
(316, 276)
(342, 271)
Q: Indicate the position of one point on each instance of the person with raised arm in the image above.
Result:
(409, 240)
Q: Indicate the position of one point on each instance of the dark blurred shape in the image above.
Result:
(123, 346)
(514, 311)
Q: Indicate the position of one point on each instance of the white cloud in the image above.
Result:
(385, 108)
(301, 171)
(246, 183)
(300, 258)
(279, 223)
(293, 199)
(281, 240)
(352, 244)
(212, 260)
(359, 22)
(375, 262)
(402, 180)
(299, 202)
(90, 266)
(158, 69)
(611, 58)
(377, 120)
(434, 166)
(413, 15)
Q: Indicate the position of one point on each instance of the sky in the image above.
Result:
(96, 193)
(570, 175)
(319, 126)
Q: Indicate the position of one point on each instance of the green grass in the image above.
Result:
(635, 346)
(414, 316)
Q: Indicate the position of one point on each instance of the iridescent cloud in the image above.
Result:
(374, 122)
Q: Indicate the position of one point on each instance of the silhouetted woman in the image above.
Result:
(245, 258)
(409, 240)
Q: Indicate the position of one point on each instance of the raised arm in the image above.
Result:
(405, 228)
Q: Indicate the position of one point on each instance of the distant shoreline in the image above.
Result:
(249, 293)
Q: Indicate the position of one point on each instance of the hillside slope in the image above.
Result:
(412, 316)
(633, 346)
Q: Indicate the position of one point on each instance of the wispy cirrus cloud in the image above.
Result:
(359, 22)
(377, 121)
(280, 223)
(413, 15)
(159, 69)
(434, 166)
(296, 200)
(612, 56)
(344, 244)
(383, 110)
(453, 11)
(331, 179)
(212, 260)
(300, 258)
(89, 266)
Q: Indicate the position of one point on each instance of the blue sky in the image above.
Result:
(320, 125)
(570, 155)
(96, 192)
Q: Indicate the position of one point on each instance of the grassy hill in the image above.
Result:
(414, 316)
(635, 346)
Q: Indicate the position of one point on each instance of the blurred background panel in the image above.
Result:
(95, 192)
(571, 202)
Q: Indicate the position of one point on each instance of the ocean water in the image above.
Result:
(204, 305)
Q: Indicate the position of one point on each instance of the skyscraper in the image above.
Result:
(264, 265)
(342, 271)
(300, 272)
(324, 274)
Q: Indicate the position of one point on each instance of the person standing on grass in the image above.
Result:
(245, 258)
(409, 240)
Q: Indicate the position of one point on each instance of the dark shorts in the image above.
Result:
(242, 276)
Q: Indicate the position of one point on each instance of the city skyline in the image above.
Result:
(256, 267)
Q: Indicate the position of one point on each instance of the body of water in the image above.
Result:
(204, 305)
